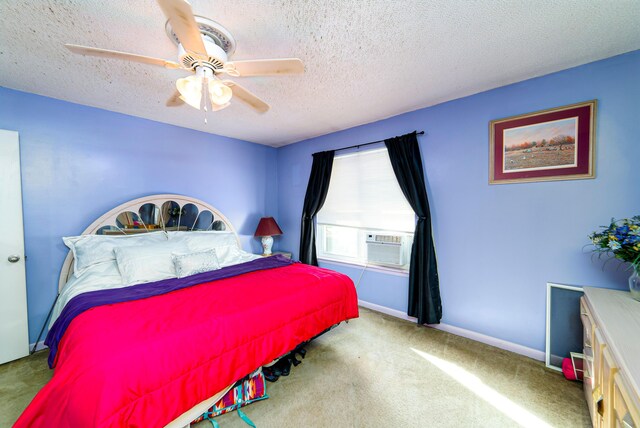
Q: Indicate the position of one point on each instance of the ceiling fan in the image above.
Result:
(204, 47)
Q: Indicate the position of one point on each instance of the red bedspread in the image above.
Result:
(145, 362)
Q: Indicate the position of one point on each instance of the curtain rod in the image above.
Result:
(357, 146)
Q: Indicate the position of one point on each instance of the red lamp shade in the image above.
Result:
(268, 227)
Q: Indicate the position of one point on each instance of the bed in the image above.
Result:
(157, 348)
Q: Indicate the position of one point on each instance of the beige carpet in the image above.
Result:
(378, 371)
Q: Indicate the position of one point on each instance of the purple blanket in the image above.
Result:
(86, 301)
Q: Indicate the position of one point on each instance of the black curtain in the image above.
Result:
(314, 199)
(424, 288)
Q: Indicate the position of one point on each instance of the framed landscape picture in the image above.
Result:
(554, 144)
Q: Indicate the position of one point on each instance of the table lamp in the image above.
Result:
(267, 228)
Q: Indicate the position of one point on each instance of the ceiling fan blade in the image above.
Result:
(244, 95)
(175, 100)
(264, 67)
(183, 23)
(106, 53)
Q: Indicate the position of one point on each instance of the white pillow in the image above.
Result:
(148, 263)
(193, 263)
(89, 250)
(204, 240)
(232, 255)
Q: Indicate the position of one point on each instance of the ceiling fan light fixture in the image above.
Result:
(190, 89)
(219, 93)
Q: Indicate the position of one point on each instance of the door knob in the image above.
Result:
(13, 259)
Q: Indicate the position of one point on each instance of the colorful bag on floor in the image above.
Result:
(246, 392)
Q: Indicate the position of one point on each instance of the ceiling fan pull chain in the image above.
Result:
(204, 98)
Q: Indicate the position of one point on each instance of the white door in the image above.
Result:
(14, 334)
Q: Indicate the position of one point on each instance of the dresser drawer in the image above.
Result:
(588, 379)
(609, 370)
(611, 320)
(626, 410)
(598, 346)
(597, 395)
(588, 325)
(587, 350)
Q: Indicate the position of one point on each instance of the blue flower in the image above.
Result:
(631, 239)
(621, 232)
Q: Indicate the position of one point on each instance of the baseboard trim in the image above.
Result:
(385, 310)
(39, 346)
(469, 334)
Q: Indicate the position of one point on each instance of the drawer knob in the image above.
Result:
(598, 400)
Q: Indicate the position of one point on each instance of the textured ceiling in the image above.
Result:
(365, 59)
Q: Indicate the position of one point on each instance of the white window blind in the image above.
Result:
(364, 193)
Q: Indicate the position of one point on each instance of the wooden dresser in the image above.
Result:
(611, 321)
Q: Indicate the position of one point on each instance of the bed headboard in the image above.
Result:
(150, 214)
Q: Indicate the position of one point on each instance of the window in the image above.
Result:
(365, 218)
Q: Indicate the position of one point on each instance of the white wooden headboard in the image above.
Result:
(162, 212)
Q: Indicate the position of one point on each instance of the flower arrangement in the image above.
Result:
(622, 238)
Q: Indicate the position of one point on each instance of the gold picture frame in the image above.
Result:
(546, 145)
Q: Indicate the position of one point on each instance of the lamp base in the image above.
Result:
(267, 243)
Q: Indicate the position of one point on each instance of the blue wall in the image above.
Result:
(498, 245)
(79, 162)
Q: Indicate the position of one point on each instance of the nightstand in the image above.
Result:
(284, 253)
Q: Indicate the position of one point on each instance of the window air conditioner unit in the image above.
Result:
(385, 249)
